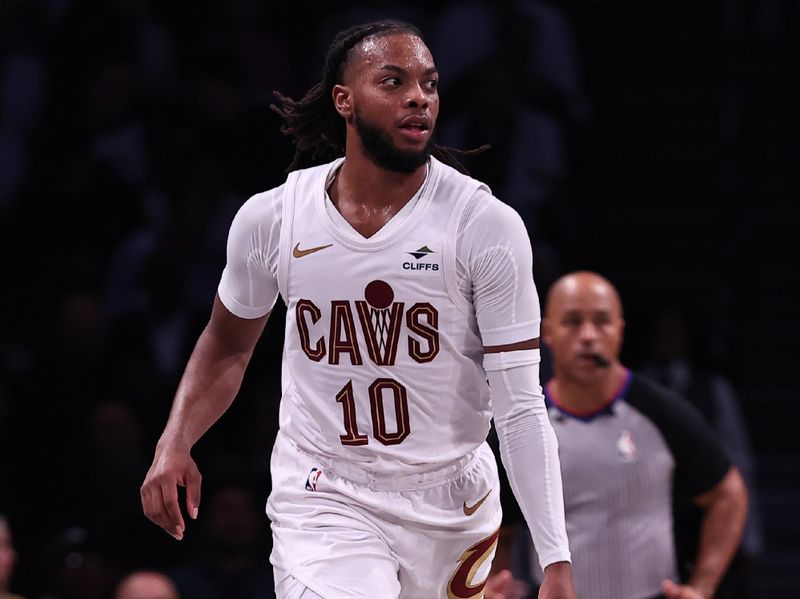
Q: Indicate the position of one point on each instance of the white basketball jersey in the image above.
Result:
(382, 355)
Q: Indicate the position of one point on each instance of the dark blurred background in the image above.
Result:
(656, 143)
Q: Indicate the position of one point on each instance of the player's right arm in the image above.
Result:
(208, 386)
(246, 294)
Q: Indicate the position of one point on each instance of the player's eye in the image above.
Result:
(391, 81)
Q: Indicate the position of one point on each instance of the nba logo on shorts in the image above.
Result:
(313, 477)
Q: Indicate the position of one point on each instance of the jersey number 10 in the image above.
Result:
(376, 392)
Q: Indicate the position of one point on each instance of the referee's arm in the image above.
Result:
(725, 509)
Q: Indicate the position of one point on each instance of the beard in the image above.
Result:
(382, 151)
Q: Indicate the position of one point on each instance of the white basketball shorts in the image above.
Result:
(346, 534)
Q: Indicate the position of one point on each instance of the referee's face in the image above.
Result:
(583, 326)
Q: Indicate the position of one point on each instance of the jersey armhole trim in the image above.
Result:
(285, 239)
(450, 244)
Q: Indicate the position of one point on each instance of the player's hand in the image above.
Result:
(673, 590)
(171, 468)
(503, 585)
(557, 583)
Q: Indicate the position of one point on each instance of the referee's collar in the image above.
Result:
(606, 409)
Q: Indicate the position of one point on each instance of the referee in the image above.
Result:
(628, 449)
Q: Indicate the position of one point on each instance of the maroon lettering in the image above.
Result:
(428, 331)
(462, 584)
(342, 323)
(306, 307)
(351, 436)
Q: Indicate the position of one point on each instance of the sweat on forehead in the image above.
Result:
(380, 45)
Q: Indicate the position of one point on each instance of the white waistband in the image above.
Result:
(383, 481)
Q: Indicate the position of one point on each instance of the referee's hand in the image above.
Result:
(504, 586)
(680, 591)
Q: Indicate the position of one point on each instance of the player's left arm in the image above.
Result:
(725, 508)
(501, 583)
(497, 251)
(529, 452)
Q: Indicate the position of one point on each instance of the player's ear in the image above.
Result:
(343, 101)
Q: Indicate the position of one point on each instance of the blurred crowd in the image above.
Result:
(130, 133)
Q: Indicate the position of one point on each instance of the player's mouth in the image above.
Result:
(415, 128)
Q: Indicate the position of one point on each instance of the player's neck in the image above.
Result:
(361, 180)
(368, 196)
(582, 396)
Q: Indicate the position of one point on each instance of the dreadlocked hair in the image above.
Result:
(313, 123)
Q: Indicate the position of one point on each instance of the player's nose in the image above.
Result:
(416, 97)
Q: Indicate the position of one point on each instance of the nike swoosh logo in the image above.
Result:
(471, 509)
(298, 253)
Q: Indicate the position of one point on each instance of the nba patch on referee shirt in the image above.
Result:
(313, 477)
(626, 448)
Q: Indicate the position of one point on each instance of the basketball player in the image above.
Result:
(629, 448)
(406, 284)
